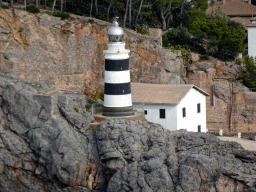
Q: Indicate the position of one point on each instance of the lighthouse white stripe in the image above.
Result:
(117, 100)
(117, 76)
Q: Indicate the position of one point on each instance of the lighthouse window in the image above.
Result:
(116, 38)
(145, 112)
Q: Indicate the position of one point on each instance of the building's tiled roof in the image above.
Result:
(234, 8)
(252, 25)
(160, 93)
(245, 21)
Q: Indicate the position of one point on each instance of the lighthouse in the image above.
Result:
(117, 91)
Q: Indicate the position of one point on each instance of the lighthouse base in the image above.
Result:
(117, 111)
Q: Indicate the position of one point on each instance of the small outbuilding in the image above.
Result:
(251, 35)
(173, 106)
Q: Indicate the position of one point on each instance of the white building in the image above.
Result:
(251, 32)
(173, 106)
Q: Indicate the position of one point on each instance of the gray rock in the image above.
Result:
(223, 91)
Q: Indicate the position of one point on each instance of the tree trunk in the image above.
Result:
(25, 4)
(96, 7)
(130, 13)
(65, 5)
(163, 19)
(37, 3)
(0, 3)
(61, 5)
(91, 8)
(53, 6)
(126, 11)
(11, 3)
(44, 4)
(109, 7)
(141, 2)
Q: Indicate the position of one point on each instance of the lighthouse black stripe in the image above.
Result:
(116, 65)
(117, 89)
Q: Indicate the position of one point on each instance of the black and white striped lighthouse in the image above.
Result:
(117, 93)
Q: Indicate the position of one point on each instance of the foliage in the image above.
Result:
(249, 77)
(200, 4)
(88, 107)
(204, 57)
(32, 9)
(48, 12)
(98, 95)
(91, 21)
(142, 29)
(76, 109)
(224, 38)
(62, 15)
(185, 52)
(238, 61)
(5, 7)
(178, 36)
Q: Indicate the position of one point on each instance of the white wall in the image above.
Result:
(170, 121)
(252, 41)
(192, 119)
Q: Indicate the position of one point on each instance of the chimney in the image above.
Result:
(250, 1)
(223, 2)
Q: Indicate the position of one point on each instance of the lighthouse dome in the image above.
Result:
(116, 33)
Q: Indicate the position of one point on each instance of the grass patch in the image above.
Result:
(76, 109)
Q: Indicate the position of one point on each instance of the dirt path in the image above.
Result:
(247, 144)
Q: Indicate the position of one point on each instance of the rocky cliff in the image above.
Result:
(231, 106)
(47, 144)
(69, 54)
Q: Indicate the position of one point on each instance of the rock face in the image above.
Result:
(146, 157)
(47, 144)
(228, 97)
(69, 54)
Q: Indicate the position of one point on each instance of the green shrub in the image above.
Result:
(185, 52)
(62, 15)
(76, 109)
(5, 7)
(142, 29)
(91, 21)
(178, 36)
(48, 12)
(239, 61)
(249, 76)
(88, 107)
(204, 57)
(32, 9)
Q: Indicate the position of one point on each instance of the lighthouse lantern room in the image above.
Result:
(117, 92)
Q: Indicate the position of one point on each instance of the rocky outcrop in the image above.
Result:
(47, 144)
(46, 140)
(228, 97)
(69, 54)
(146, 157)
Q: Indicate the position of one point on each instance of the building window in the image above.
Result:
(162, 113)
(184, 112)
(198, 108)
(199, 128)
(145, 112)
